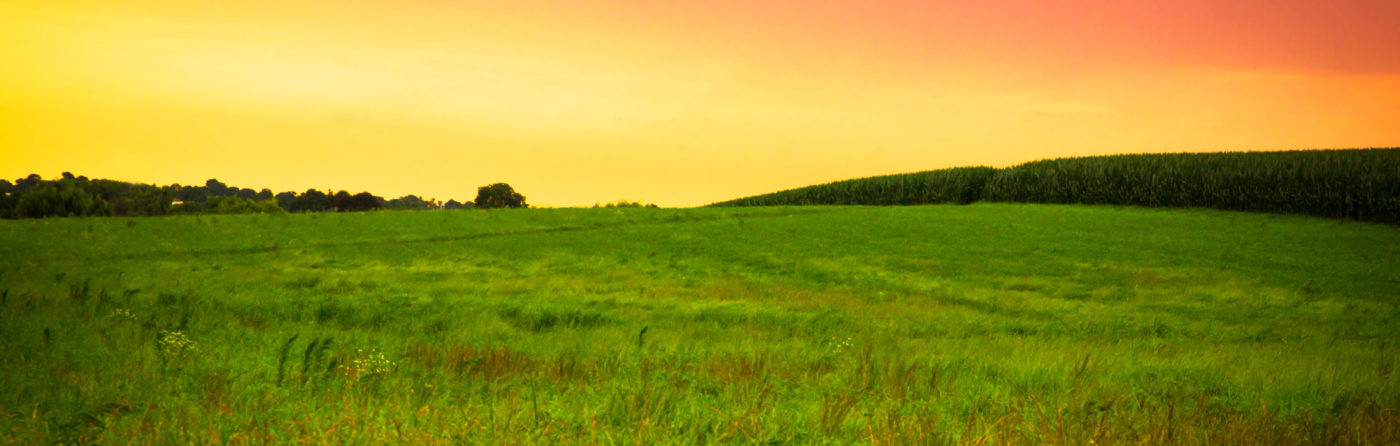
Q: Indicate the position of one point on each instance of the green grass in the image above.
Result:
(987, 323)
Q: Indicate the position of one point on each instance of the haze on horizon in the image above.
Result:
(676, 103)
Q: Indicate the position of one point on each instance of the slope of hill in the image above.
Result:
(1361, 184)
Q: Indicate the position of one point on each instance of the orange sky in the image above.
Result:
(672, 102)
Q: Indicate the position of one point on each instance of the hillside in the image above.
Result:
(1360, 184)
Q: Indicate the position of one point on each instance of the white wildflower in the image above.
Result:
(368, 363)
(175, 342)
(837, 346)
(122, 314)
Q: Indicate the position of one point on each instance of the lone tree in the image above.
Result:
(363, 201)
(499, 195)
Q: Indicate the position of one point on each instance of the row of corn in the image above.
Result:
(1361, 184)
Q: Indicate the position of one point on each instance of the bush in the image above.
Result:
(239, 205)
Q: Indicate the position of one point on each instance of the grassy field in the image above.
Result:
(979, 324)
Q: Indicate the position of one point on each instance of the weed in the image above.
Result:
(282, 358)
(834, 411)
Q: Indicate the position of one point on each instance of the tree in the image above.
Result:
(60, 198)
(625, 204)
(340, 201)
(311, 201)
(8, 199)
(128, 199)
(408, 202)
(148, 200)
(214, 188)
(499, 195)
(190, 194)
(285, 199)
(24, 184)
(111, 191)
(363, 201)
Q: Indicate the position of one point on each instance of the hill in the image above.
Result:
(1361, 184)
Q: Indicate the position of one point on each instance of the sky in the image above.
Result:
(678, 103)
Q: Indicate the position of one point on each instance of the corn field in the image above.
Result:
(1361, 184)
(961, 185)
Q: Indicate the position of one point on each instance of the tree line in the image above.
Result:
(76, 196)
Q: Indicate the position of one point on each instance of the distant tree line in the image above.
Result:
(624, 204)
(76, 196)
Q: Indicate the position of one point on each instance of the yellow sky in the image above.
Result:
(677, 103)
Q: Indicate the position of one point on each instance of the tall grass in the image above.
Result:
(981, 324)
(1361, 184)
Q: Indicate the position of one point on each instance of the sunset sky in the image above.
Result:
(672, 102)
